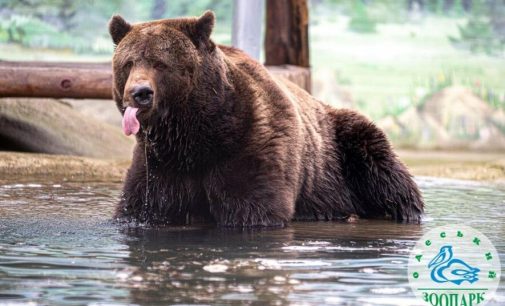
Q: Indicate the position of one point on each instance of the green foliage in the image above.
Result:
(82, 25)
(478, 34)
(360, 21)
(388, 11)
(447, 7)
(14, 28)
(458, 7)
(438, 6)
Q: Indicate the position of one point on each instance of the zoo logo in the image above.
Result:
(454, 265)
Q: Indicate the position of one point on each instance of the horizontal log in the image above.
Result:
(86, 80)
(49, 64)
(55, 80)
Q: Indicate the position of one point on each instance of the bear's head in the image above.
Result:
(156, 62)
(170, 83)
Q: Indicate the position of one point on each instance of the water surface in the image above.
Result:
(58, 247)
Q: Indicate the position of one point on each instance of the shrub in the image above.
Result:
(360, 20)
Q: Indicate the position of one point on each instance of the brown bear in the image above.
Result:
(221, 140)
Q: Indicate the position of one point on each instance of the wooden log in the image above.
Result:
(55, 80)
(50, 64)
(87, 80)
(286, 33)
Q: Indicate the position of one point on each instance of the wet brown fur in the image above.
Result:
(228, 143)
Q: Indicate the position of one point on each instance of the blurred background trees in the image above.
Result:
(81, 25)
(75, 24)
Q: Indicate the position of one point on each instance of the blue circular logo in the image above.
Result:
(454, 265)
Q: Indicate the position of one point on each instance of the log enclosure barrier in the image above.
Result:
(56, 80)
(286, 51)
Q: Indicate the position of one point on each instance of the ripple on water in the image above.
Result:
(57, 246)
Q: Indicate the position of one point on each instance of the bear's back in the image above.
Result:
(272, 84)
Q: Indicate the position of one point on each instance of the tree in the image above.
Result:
(360, 21)
(483, 30)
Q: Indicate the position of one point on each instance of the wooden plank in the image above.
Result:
(87, 80)
(286, 33)
(247, 22)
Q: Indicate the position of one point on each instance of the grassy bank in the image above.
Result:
(391, 69)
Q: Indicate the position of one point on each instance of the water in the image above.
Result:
(57, 247)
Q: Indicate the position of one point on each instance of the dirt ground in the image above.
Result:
(458, 165)
(477, 166)
(30, 166)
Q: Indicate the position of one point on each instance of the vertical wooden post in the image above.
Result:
(247, 24)
(286, 36)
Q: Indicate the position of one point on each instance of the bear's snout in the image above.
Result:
(142, 95)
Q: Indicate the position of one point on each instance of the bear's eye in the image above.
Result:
(160, 66)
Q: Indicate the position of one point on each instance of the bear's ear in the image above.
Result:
(118, 28)
(205, 24)
(203, 29)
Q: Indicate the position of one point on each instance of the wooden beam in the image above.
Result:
(286, 33)
(86, 80)
(56, 80)
(247, 25)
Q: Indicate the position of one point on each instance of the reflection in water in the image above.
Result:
(57, 246)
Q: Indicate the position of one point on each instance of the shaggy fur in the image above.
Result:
(226, 142)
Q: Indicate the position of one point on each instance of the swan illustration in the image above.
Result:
(448, 269)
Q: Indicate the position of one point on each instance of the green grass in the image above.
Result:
(389, 66)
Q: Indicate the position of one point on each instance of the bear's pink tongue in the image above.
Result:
(130, 123)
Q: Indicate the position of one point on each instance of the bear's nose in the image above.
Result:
(143, 95)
